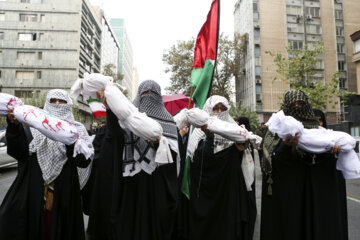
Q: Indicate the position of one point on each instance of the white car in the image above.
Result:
(5, 159)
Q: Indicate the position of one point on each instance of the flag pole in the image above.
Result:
(191, 93)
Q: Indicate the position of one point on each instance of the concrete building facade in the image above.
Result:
(109, 45)
(135, 83)
(272, 25)
(46, 44)
(125, 64)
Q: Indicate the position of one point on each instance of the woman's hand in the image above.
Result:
(336, 149)
(242, 146)
(154, 142)
(291, 141)
(206, 131)
(101, 96)
(12, 117)
(184, 131)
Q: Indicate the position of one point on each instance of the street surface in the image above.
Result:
(7, 176)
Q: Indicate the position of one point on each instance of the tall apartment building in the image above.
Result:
(46, 44)
(272, 25)
(109, 45)
(125, 64)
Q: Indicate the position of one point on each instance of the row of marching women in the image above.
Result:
(151, 176)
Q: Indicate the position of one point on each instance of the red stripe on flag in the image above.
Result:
(206, 42)
(99, 114)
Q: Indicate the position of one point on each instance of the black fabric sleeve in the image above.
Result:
(79, 160)
(17, 144)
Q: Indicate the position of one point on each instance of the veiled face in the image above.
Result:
(146, 92)
(57, 101)
(219, 108)
(297, 104)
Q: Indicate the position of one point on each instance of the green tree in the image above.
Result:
(180, 58)
(109, 70)
(238, 110)
(298, 69)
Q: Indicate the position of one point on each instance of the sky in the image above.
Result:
(155, 25)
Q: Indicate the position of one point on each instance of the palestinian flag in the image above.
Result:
(97, 107)
(205, 56)
(203, 71)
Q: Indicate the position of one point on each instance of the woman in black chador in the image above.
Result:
(44, 202)
(135, 198)
(219, 203)
(300, 196)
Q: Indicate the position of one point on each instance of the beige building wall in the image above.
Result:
(330, 52)
(351, 25)
(273, 37)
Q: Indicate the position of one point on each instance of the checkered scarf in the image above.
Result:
(51, 154)
(220, 143)
(138, 153)
(304, 114)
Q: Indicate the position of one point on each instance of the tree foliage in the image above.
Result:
(110, 70)
(238, 110)
(298, 69)
(179, 59)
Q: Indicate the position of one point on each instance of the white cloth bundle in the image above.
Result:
(248, 169)
(138, 123)
(230, 131)
(52, 127)
(319, 140)
(7, 102)
(194, 116)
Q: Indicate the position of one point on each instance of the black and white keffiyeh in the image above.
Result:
(220, 143)
(138, 153)
(51, 155)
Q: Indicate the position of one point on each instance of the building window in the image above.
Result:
(28, 18)
(341, 48)
(32, 1)
(338, 14)
(1, 36)
(356, 46)
(0, 73)
(295, 28)
(24, 75)
(23, 94)
(27, 37)
(312, 11)
(355, 131)
(294, 10)
(341, 65)
(40, 55)
(25, 55)
(42, 18)
(38, 74)
(257, 50)
(2, 16)
(256, 32)
(319, 64)
(258, 70)
(339, 31)
(314, 29)
(342, 83)
(297, 45)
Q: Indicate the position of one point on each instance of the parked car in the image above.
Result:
(5, 159)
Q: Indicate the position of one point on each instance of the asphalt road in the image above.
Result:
(7, 176)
